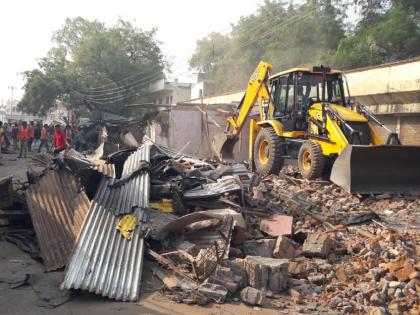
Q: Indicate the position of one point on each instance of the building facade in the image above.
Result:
(163, 92)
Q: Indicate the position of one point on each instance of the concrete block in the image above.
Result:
(253, 296)
(317, 245)
(263, 247)
(277, 225)
(215, 292)
(284, 248)
(267, 273)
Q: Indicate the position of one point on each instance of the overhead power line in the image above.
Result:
(99, 99)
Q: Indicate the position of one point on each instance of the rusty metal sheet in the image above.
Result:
(57, 206)
(103, 261)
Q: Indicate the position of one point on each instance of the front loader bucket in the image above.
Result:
(378, 169)
(223, 146)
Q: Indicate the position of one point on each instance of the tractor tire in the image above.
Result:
(268, 152)
(311, 160)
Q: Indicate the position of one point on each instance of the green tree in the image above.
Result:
(121, 60)
(389, 35)
(285, 35)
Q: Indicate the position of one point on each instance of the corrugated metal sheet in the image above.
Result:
(180, 156)
(106, 169)
(223, 185)
(82, 161)
(58, 207)
(103, 261)
(122, 199)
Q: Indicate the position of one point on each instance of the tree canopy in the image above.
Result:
(91, 64)
(315, 32)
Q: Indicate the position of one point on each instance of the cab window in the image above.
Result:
(279, 96)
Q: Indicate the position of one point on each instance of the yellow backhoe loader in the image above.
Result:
(304, 115)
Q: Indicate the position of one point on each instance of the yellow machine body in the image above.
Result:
(317, 132)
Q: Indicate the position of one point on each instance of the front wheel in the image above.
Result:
(311, 160)
(268, 152)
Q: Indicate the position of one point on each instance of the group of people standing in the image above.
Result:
(27, 137)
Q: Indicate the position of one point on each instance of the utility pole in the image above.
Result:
(11, 99)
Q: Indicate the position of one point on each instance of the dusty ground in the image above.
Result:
(12, 165)
(24, 300)
(15, 264)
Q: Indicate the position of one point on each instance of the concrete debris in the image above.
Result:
(221, 233)
(253, 296)
(263, 247)
(269, 273)
(215, 292)
(277, 225)
(284, 248)
(317, 245)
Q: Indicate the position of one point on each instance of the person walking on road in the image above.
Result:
(37, 135)
(31, 131)
(23, 139)
(15, 136)
(60, 141)
(44, 138)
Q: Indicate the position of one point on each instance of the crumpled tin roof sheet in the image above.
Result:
(223, 185)
(179, 156)
(93, 162)
(103, 261)
(57, 206)
(106, 169)
(124, 198)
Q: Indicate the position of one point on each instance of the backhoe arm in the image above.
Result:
(257, 90)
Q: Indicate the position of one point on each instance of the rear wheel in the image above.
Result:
(268, 152)
(311, 160)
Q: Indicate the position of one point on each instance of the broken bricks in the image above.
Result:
(263, 247)
(284, 248)
(268, 273)
(253, 296)
(277, 225)
(401, 268)
(317, 245)
(215, 292)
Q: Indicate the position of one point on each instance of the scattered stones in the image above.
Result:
(277, 225)
(284, 248)
(317, 279)
(317, 245)
(215, 292)
(299, 267)
(377, 299)
(262, 247)
(267, 273)
(253, 296)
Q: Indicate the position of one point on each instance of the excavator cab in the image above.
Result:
(305, 116)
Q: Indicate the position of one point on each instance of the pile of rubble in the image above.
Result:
(312, 240)
(220, 233)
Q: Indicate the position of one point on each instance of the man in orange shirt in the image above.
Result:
(44, 138)
(31, 134)
(23, 139)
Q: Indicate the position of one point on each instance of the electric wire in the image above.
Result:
(151, 78)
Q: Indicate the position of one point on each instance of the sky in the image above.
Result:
(26, 28)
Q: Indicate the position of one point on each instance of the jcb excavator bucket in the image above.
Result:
(378, 169)
(223, 145)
